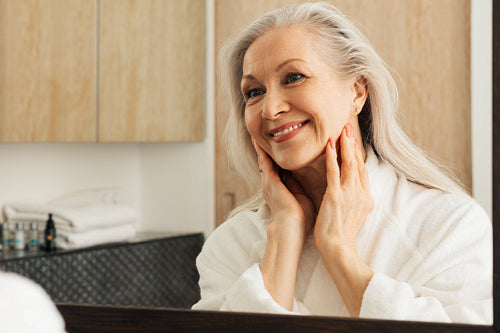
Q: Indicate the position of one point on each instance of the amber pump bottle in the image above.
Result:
(50, 235)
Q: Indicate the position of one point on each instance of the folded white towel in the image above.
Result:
(80, 211)
(71, 240)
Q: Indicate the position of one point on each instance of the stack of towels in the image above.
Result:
(83, 218)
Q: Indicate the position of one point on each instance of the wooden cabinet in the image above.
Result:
(102, 71)
(152, 70)
(47, 70)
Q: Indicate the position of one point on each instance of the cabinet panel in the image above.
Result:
(152, 70)
(47, 70)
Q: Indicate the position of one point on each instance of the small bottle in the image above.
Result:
(50, 235)
(1, 236)
(34, 243)
(19, 237)
(6, 236)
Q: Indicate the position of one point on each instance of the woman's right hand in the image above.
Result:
(290, 207)
(293, 217)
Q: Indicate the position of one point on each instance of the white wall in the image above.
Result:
(168, 184)
(481, 102)
(176, 187)
(41, 172)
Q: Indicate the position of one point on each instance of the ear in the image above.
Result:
(360, 93)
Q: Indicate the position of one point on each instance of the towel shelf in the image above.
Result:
(157, 272)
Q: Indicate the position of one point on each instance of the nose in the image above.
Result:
(275, 104)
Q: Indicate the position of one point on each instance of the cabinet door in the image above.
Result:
(152, 70)
(47, 70)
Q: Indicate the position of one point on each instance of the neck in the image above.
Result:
(312, 179)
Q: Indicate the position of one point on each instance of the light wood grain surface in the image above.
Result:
(426, 43)
(47, 70)
(152, 71)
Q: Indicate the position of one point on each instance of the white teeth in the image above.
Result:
(288, 130)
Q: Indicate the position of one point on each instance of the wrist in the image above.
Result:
(279, 264)
(350, 274)
(336, 247)
(287, 230)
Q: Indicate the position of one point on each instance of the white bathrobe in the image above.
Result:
(431, 254)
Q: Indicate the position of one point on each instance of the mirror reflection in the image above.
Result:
(348, 216)
(406, 250)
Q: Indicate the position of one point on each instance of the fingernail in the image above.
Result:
(349, 130)
(356, 144)
(332, 145)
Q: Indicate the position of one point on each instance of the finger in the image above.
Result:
(363, 173)
(270, 180)
(263, 159)
(332, 166)
(349, 170)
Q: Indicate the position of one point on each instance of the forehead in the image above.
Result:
(279, 45)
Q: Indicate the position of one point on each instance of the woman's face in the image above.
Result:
(294, 100)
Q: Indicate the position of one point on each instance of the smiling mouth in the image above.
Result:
(289, 129)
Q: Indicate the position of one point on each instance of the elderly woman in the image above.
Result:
(352, 219)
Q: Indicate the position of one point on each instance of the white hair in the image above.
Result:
(352, 56)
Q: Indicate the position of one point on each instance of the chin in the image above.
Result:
(300, 161)
(295, 164)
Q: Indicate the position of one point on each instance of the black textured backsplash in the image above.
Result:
(155, 273)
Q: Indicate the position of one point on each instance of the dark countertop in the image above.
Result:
(141, 237)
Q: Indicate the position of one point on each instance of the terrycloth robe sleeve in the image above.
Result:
(449, 277)
(230, 277)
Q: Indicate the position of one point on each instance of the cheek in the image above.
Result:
(252, 123)
(335, 112)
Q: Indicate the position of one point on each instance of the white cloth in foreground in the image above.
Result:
(431, 253)
(82, 218)
(25, 307)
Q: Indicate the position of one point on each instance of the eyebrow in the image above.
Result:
(280, 66)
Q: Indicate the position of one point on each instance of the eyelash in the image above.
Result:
(248, 93)
(289, 76)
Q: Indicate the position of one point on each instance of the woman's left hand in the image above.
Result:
(347, 200)
(343, 211)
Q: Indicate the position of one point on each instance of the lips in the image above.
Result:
(287, 131)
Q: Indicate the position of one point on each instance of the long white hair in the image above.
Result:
(352, 56)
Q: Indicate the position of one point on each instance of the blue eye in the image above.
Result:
(295, 77)
(252, 93)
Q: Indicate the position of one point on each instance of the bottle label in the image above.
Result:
(19, 243)
(50, 240)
